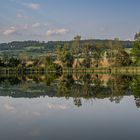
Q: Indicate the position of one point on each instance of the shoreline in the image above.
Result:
(99, 70)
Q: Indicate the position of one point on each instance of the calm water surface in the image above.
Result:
(79, 107)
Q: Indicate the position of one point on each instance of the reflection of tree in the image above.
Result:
(120, 85)
(76, 86)
(137, 100)
(64, 86)
(76, 89)
(83, 87)
(135, 88)
(5, 81)
(77, 102)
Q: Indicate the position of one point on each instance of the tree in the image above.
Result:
(14, 62)
(76, 45)
(24, 58)
(65, 56)
(86, 52)
(136, 49)
(97, 53)
(1, 63)
(122, 58)
(137, 36)
(110, 52)
(116, 54)
(48, 61)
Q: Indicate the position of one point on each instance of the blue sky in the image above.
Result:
(63, 19)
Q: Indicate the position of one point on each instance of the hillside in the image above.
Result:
(35, 48)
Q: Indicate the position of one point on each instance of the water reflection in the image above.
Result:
(76, 86)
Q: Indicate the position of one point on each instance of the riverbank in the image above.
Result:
(107, 70)
(104, 70)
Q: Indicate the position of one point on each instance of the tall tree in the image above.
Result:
(65, 56)
(76, 47)
(86, 52)
(136, 49)
(122, 58)
(97, 53)
(137, 36)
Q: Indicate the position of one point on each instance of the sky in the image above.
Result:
(48, 20)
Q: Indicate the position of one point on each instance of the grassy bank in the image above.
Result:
(102, 70)
(107, 70)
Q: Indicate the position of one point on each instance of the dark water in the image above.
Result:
(70, 107)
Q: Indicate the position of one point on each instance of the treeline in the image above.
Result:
(19, 45)
(51, 45)
(97, 54)
(78, 54)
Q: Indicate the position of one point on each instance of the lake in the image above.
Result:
(70, 107)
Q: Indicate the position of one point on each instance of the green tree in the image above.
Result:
(137, 36)
(86, 52)
(122, 58)
(76, 45)
(97, 53)
(136, 49)
(14, 62)
(48, 60)
(65, 56)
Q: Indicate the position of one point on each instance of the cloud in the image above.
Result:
(57, 106)
(36, 25)
(25, 26)
(45, 24)
(9, 31)
(60, 31)
(34, 6)
(36, 113)
(20, 15)
(9, 108)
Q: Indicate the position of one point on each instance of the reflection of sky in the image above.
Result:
(58, 118)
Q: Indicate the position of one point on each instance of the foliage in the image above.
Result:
(76, 53)
(136, 50)
(65, 56)
(122, 59)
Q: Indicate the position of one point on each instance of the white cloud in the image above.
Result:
(25, 26)
(34, 6)
(45, 24)
(36, 113)
(20, 15)
(9, 108)
(36, 25)
(57, 106)
(9, 31)
(54, 32)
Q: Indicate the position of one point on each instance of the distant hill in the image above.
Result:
(40, 48)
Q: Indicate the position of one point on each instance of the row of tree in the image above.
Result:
(113, 52)
(84, 55)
